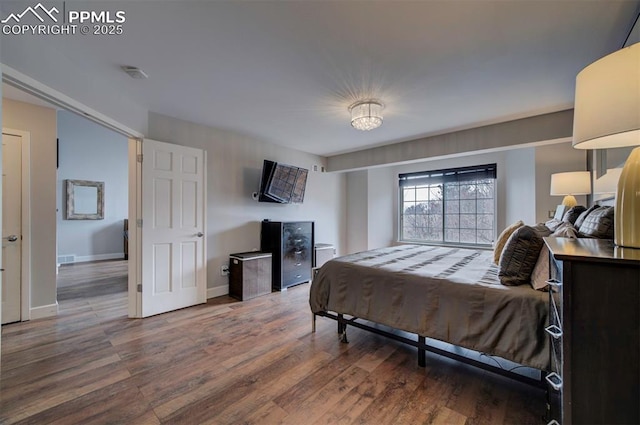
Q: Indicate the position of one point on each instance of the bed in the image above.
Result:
(444, 293)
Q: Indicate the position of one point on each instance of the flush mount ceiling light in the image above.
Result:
(366, 114)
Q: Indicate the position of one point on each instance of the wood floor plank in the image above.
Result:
(62, 393)
(263, 395)
(361, 397)
(269, 413)
(393, 398)
(327, 397)
(226, 361)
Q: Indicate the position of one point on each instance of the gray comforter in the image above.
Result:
(449, 294)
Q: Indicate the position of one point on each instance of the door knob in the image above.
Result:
(11, 238)
(199, 234)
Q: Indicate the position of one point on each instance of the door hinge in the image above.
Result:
(139, 222)
(139, 157)
(139, 287)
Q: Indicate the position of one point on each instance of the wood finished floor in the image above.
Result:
(252, 362)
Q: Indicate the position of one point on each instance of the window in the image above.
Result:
(454, 206)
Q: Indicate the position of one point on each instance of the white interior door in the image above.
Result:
(172, 233)
(11, 227)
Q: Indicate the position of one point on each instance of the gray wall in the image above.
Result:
(357, 211)
(522, 190)
(233, 168)
(40, 122)
(555, 159)
(88, 151)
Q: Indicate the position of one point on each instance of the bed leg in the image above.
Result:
(421, 352)
(342, 329)
(313, 323)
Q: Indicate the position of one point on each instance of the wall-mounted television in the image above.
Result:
(282, 183)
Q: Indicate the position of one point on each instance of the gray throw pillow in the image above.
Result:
(598, 224)
(584, 215)
(572, 215)
(519, 256)
(565, 230)
(553, 224)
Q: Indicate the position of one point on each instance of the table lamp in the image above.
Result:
(607, 115)
(570, 184)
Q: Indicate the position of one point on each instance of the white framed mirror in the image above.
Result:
(85, 200)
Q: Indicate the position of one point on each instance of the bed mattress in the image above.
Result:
(445, 293)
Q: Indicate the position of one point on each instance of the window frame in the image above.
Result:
(459, 175)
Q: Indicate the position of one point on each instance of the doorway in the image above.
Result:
(92, 208)
(45, 294)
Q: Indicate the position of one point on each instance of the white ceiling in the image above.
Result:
(285, 72)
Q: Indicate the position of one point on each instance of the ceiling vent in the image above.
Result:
(134, 72)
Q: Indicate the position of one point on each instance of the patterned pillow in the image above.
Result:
(584, 215)
(572, 215)
(502, 239)
(519, 256)
(598, 224)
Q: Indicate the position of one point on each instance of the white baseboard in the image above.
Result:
(43, 311)
(97, 257)
(217, 291)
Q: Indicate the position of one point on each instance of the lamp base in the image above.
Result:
(627, 212)
(569, 201)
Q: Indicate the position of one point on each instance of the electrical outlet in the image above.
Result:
(224, 270)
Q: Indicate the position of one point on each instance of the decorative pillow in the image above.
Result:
(553, 224)
(565, 230)
(502, 239)
(519, 256)
(572, 215)
(598, 224)
(540, 273)
(542, 230)
(584, 215)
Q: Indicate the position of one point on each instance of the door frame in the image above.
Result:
(134, 298)
(25, 272)
(58, 99)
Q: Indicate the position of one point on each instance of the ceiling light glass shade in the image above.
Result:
(366, 115)
(607, 102)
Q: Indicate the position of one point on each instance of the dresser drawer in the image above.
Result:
(295, 264)
(555, 335)
(555, 290)
(296, 276)
(303, 228)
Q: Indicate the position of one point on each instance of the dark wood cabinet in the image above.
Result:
(249, 275)
(291, 245)
(595, 332)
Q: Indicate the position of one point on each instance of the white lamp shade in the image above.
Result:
(571, 183)
(607, 102)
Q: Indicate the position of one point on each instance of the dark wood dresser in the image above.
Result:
(595, 332)
(291, 245)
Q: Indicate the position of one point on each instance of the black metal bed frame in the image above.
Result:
(423, 347)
